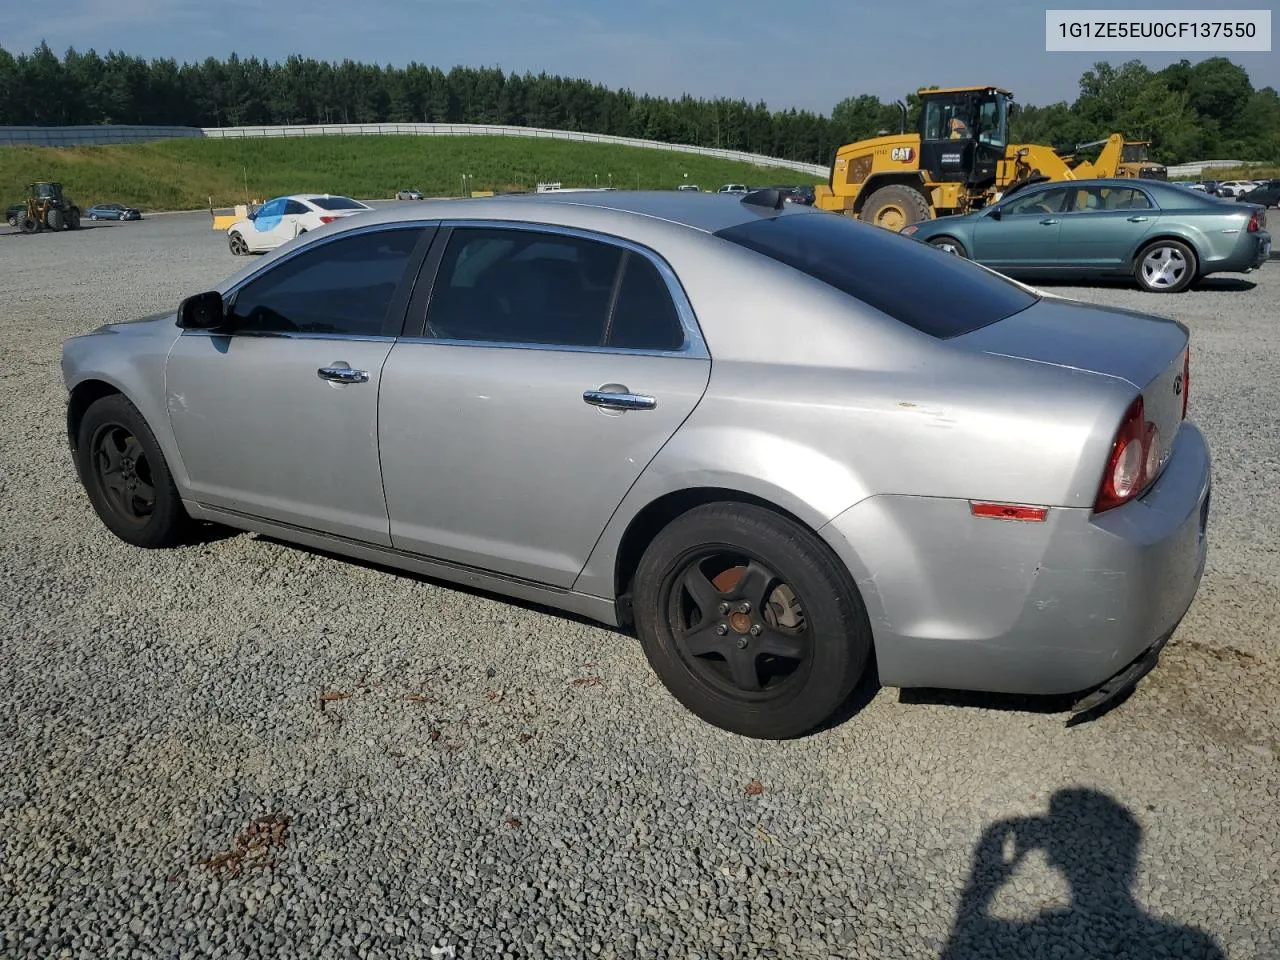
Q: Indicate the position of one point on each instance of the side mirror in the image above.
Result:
(994, 213)
(202, 311)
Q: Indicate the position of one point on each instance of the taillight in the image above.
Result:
(1186, 380)
(1135, 459)
(328, 219)
(1255, 222)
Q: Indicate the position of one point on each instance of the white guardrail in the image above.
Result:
(93, 135)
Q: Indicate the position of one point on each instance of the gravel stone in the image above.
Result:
(158, 704)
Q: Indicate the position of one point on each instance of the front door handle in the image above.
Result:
(343, 373)
(1137, 219)
(1048, 222)
(619, 398)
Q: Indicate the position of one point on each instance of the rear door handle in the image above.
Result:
(1137, 219)
(621, 399)
(1048, 222)
(343, 373)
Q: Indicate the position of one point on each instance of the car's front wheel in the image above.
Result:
(237, 245)
(750, 621)
(1166, 266)
(126, 477)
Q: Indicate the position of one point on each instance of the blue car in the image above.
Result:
(113, 211)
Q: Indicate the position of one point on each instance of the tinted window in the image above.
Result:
(935, 292)
(336, 203)
(523, 286)
(344, 286)
(644, 317)
(1038, 203)
(294, 208)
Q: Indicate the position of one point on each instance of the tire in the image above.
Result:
(126, 477)
(13, 221)
(93, 216)
(821, 663)
(29, 225)
(1179, 270)
(895, 206)
(237, 245)
(73, 219)
(950, 244)
(55, 219)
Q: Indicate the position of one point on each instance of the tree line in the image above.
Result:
(1189, 112)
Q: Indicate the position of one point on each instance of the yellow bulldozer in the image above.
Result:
(959, 159)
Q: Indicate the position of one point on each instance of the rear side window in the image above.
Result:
(337, 203)
(935, 292)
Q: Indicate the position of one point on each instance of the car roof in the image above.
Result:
(706, 212)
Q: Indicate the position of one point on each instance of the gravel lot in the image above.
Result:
(511, 783)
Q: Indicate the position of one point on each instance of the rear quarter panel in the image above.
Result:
(814, 406)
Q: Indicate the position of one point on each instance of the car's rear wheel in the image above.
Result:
(238, 247)
(950, 245)
(749, 620)
(1166, 266)
(126, 477)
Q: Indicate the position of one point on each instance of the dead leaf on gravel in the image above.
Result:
(513, 822)
(755, 788)
(525, 737)
(495, 696)
(433, 735)
(587, 681)
(330, 696)
(420, 698)
(252, 849)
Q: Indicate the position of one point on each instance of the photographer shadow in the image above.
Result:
(1094, 841)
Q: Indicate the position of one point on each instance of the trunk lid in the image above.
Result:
(1145, 351)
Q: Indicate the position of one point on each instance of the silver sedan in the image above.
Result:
(777, 443)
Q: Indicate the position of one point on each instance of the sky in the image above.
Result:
(807, 54)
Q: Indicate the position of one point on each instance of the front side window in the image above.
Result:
(934, 292)
(344, 286)
(1037, 204)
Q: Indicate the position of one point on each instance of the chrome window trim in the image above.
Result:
(1107, 186)
(306, 247)
(694, 347)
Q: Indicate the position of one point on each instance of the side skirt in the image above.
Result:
(595, 608)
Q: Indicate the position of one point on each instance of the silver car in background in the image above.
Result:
(773, 441)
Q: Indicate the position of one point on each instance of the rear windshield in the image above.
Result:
(937, 293)
(337, 203)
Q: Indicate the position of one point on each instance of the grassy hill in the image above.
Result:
(184, 174)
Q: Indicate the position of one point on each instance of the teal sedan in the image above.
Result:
(1162, 235)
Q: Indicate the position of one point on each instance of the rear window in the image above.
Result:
(337, 203)
(935, 292)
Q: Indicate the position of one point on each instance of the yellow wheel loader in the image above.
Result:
(959, 159)
(1120, 158)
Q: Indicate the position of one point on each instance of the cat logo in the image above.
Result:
(904, 154)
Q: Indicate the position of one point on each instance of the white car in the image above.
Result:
(280, 220)
(1233, 188)
(735, 188)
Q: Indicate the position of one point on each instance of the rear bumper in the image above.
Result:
(1030, 608)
